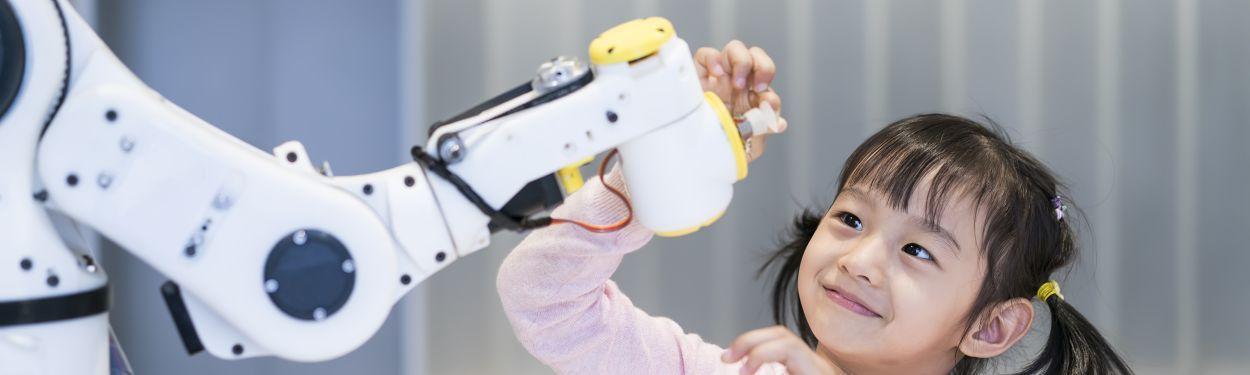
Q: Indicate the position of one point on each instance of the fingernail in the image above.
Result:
(740, 83)
(717, 70)
(724, 356)
(761, 87)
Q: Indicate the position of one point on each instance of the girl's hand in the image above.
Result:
(776, 344)
(741, 77)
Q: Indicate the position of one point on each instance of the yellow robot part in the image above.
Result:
(631, 40)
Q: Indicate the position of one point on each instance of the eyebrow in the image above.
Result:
(933, 227)
(929, 226)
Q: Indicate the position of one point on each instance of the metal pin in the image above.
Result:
(349, 266)
(271, 286)
(300, 237)
(319, 314)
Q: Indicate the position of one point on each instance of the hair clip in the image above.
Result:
(1060, 208)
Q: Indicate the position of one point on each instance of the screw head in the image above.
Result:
(222, 201)
(126, 144)
(104, 180)
(300, 237)
(450, 148)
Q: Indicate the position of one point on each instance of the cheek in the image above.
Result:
(820, 257)
(931, 311)
(926, 316)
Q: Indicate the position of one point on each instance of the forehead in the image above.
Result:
(930, 198)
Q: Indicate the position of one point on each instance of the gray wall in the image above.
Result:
(1141, 105)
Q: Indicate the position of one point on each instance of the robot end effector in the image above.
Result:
(680, 149)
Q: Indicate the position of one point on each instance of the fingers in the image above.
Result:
(778, 350)
(739, 75)
(708, 60)
(738, 58)
(771, 98)
(746, 341)
(765, 69)
(789, 351)
(775, 344)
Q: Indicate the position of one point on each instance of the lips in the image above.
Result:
(850, 302)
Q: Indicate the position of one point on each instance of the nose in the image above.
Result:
(865, 259)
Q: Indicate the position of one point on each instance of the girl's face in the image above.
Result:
(887, 291)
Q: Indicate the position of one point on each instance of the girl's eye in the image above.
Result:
(917, 251)
(851, 221)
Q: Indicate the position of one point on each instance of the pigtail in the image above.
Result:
(1075, 346)
(784, 297)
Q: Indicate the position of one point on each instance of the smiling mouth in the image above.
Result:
(850, 302)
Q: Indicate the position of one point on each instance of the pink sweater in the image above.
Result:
(555, 290)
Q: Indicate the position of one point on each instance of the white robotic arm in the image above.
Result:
(266, 255)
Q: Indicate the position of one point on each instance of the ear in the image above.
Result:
(997, 331)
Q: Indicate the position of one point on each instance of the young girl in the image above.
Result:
(940, 236)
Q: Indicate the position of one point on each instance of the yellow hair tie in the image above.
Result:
(1050, 288)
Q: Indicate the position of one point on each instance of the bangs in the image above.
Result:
(954, 159)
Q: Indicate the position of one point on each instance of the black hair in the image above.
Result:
(1023, 244)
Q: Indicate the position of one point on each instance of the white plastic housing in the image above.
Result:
(27, 232)
(682, 163)
(170, 175)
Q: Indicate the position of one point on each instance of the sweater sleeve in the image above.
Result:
(565, 311)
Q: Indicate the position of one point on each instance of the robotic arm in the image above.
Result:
(269, 256)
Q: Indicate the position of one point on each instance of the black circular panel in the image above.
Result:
(12, 57)
(309, 275)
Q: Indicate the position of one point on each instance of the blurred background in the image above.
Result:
(1140, 105)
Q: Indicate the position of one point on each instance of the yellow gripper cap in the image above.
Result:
(631, 40)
